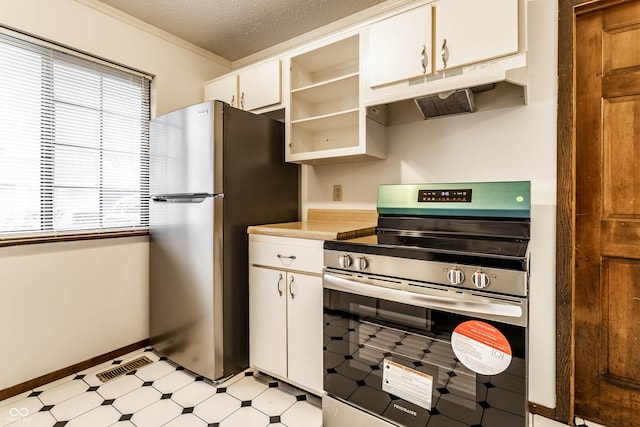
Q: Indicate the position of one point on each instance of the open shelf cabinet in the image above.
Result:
(326, 120)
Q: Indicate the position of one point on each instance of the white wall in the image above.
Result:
(63, 303)
(503, 140)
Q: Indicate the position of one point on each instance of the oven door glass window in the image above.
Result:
(395, 361)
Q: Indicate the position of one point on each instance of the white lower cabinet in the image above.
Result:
(285, 310)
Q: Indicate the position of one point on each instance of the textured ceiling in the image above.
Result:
(234, 29)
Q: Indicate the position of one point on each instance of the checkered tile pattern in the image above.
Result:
(162, 394)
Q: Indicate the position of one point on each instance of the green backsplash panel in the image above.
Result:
(510, 199)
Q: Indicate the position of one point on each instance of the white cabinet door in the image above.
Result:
(285, 309)
(224, 89)
(400, 47)
(305, 329)
(260, 86)
(268, 320)
(473, 31)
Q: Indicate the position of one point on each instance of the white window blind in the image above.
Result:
(74, 143)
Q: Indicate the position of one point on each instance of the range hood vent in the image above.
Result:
(446, 103)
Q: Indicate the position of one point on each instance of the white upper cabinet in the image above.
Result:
(224, 89)
(260, 86)
(435, 37)
(337, 88)
(400, 47)
(467, 32)
(252, 88)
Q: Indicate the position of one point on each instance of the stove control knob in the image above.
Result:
(344, 261)
(480, 279)
(361, 263)
(455, 276)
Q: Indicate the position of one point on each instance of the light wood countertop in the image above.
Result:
(324, 224)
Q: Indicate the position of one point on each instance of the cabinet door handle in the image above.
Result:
(444, 53)
(233, 100)
(280, 284)
(423, 59)
(292, 287)
(291, 257)
(242, 100)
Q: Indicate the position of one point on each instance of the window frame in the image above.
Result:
(46, 233)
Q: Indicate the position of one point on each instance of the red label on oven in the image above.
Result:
(481, 347)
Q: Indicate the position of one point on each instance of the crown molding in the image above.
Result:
(350, 22)
(135, 22)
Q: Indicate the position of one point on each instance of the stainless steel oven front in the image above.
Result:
(404, 352)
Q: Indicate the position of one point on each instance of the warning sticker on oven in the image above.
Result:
(481, 347)
(408, 384)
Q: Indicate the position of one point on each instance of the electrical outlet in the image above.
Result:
(337, 193)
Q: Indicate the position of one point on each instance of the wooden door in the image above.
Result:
(607, 247)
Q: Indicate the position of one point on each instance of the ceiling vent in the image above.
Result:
(446, 103)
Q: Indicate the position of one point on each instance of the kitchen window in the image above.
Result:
(74, 144)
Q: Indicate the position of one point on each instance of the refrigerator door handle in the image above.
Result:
(185, 197)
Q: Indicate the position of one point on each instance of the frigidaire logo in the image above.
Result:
(403, 409)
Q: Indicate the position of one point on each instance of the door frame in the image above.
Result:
(565, 213)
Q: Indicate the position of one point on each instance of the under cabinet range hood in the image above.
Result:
(446, 103)
(454, 91)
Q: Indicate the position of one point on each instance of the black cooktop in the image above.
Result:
(463, 245)
(488, 242)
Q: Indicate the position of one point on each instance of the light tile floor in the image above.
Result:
(161, 394)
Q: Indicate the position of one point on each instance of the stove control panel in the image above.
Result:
(433, 196)
(478, 278)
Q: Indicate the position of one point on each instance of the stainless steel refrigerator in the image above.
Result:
(214, 171)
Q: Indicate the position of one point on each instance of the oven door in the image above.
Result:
(418, 355)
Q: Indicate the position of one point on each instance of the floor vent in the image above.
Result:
(123, 369)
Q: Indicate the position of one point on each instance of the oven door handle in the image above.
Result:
(460, 304)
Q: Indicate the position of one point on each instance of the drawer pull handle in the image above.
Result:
(444, 53)
(291, 257)
(292, 288)
(280, 285)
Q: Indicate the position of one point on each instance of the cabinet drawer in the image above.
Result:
(286, 253)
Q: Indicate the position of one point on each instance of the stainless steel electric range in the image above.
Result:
(425, 324)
